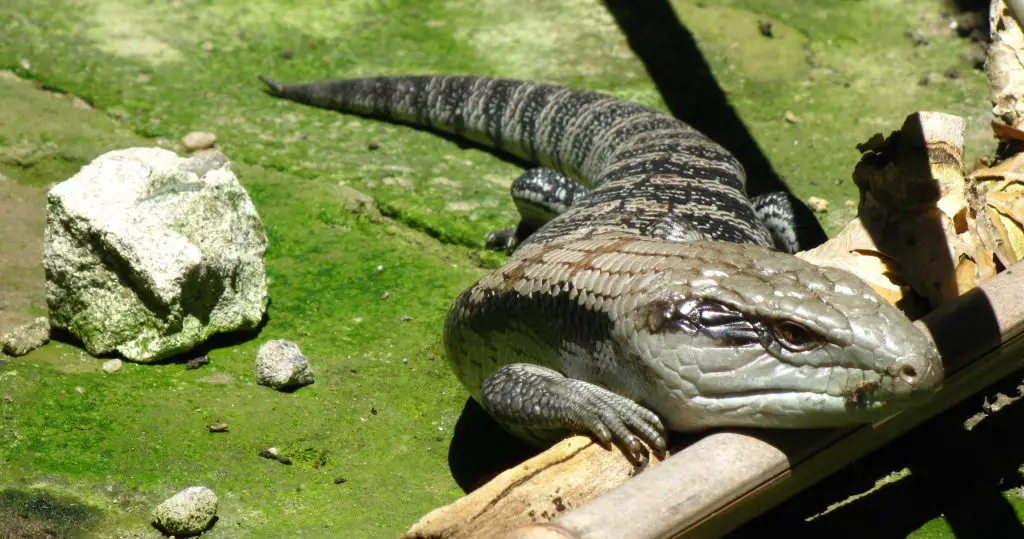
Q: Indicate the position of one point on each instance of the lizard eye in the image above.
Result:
(794, 337)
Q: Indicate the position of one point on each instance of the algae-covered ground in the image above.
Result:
(88, 454)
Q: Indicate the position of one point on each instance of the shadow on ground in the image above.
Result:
(688, 87)
(482, 449)
(29, 514)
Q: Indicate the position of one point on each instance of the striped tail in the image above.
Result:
(652, 174)
(561, 128)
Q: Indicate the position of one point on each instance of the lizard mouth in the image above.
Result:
(782, 408)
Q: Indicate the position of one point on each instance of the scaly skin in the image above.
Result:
(655, 291)
(644, 319)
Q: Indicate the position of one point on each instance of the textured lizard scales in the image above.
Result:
(650, 287)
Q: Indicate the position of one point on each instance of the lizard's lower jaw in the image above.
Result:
(790, 409)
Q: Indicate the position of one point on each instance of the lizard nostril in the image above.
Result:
(908, 371)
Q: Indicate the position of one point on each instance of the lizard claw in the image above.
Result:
(502, 240)
(615, 419)
(534, 396)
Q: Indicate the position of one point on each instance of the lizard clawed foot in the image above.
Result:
(615, 419)
(506, 240)
(538, 397)
(540, 195)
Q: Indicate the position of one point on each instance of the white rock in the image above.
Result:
(150, 254)
(187, 513)
(27, 338)
(281, 365)
(112, 365)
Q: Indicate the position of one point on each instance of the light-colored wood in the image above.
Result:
(727, 478)
(564, 477)
(1004, 66)
(921, 225)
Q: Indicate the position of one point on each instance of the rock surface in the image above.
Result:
(149, 254)
(27, 338)
(187, 513)
(281, 365)
(112, 365)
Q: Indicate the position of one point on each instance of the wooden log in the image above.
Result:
(727, 478)
(564, 477)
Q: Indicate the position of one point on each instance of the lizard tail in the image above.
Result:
(273, 87)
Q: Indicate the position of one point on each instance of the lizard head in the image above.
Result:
(737, 335)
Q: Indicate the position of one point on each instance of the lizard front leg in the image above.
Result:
(540, 399)
(540, 194)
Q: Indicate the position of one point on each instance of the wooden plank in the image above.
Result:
(727, 478)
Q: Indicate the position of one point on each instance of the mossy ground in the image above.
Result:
(83, 453)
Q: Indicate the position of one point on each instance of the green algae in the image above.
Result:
(155, 71)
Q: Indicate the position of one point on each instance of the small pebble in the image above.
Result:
(197, 362)
(385, 295)
(198, 140)
(373, 145)
(406, 318)
(817, 204)
(273, 454)
(790, 117)
(112, 365)
(405, 361)
(340, 480)
(217, 427)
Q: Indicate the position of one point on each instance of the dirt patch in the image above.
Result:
(22, 218)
